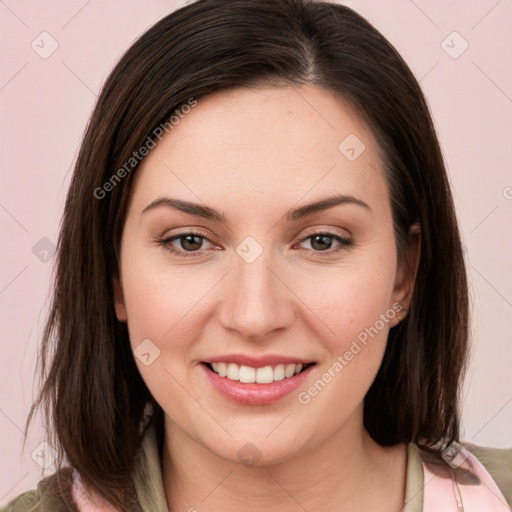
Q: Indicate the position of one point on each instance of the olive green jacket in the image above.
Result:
(150, 491)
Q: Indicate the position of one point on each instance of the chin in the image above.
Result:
(259, 450)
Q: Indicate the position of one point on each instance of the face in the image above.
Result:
(247, 275)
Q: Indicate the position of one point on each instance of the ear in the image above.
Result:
(119, 304)
(406, 272)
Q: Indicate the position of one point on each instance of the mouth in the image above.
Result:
(257, 385)
(250, 375)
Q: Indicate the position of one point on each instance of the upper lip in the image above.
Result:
(257, 361)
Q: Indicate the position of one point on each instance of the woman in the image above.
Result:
(259, 303)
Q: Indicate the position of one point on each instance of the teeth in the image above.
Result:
(246, 373)
(223, 369)
(233, 371)
(289, 370)
(279, 372)
(265, 375)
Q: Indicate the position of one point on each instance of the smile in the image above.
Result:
(263, 385)
(263, 375)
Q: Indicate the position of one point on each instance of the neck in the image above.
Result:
(344, 472)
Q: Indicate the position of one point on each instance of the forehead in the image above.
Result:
(274, 144)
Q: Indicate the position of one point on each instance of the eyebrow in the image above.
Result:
(292, 215)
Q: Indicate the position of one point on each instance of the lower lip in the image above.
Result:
(256, 394)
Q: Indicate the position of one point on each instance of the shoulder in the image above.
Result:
(24, 502)
(53, 494)
(498, 463)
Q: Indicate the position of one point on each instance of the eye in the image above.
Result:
(183, 243)
(322, 242)
(190, 244)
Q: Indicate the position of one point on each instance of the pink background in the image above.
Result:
(45, 106)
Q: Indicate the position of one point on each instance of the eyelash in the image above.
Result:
(165, 242)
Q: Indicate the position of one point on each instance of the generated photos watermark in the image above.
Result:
(305, 397)
(149, 144)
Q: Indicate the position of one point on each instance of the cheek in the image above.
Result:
(163, 303)
(354, 303)
(348, 300)
(360, 307)
(164, 316)
(166, 313)
(358, 311)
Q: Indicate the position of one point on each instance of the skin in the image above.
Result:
(254, 154)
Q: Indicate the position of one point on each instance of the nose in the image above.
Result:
(258, 302)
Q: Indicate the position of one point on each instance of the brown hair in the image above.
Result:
(92, 394)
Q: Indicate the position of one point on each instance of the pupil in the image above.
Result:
(322, 238)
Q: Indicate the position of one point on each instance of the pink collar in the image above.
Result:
(459, 483)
